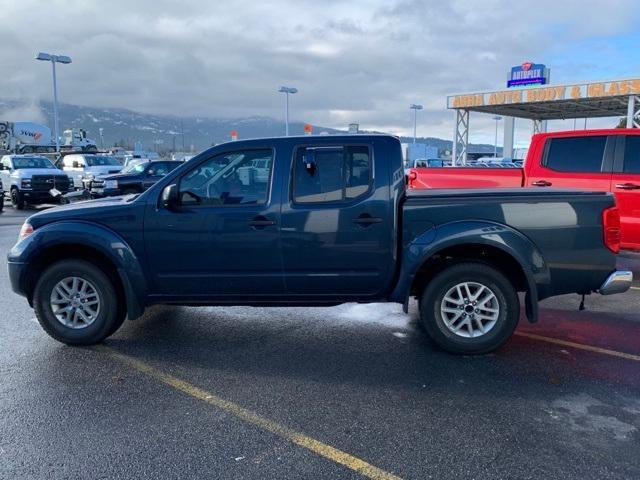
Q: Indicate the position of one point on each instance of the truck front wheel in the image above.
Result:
(16, 199)
(469, 308)
(76, 303)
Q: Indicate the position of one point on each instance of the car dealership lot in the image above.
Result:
(319, 393)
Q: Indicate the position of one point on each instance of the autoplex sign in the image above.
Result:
(528, 74)
(617, 88)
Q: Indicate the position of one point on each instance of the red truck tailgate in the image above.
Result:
(462, 177)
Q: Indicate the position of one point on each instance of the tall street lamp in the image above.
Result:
(415, 107)
(287, 91)
(47, 57)
(497, 118)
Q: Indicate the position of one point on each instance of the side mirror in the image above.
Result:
(75, 164)
(169, 198)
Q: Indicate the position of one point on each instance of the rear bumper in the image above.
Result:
(618, 282)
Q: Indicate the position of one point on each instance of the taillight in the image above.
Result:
(611, 225)
(25, 231)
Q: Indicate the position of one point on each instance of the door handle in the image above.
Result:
(365, 220)
(541, 183)
(261, 222)
(628, 186)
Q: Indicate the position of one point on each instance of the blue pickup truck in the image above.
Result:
(315, 220)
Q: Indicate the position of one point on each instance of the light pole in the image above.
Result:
(287, 91)
(54, 59)
(415, 107)
(497, 118)
(101, 130)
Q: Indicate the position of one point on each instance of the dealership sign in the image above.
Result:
(618, 88)
(528, 74)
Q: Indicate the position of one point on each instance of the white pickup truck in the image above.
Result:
(32, 179)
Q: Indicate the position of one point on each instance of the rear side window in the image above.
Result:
(331, 174)
(579, 154)
(632, 154)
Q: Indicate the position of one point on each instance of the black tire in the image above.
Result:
(1, 202)
(109, 318)
(16, 199)
(505, 298)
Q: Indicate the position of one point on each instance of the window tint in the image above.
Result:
(330, 174)
(632, 154)
(580, 154)
(237, 178)
(158, 169)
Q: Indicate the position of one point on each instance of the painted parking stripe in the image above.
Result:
(327, 451)
(581, 346)
(634, 288)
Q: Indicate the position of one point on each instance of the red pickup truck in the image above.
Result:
(603, 160)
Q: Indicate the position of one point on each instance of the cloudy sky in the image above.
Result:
(352, 61)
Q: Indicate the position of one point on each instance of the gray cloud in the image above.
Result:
(361, 61)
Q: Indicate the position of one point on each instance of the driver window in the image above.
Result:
(235, 178)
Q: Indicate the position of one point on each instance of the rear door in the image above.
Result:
(625, 184)
(582, 162)
(337, 225)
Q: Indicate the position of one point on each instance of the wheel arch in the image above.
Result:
(500, 246)
(84, 241)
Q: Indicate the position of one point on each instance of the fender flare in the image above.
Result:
(96, 237)
(477, 232)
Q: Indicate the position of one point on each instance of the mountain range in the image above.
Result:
(163, 132)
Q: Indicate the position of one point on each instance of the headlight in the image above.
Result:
(25, 231)
(110, 184)
(25, 183)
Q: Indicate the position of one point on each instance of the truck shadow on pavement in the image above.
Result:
(370, 345)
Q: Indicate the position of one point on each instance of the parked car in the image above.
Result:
(84, 167)
(605, 160)
(133, 179)
(32, 179)
(331, 223)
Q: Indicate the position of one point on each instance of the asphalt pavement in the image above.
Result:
(346, 392)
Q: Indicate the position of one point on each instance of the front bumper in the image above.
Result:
(98, 192)
(38, 196)
(16, 274)
(618, 282)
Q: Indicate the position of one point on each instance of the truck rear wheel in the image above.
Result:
(16, 199)
(469, 308)
(76, 303)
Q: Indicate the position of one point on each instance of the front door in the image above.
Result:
(337, 225)
(222, 241)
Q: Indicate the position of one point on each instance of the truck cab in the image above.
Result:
(32, 179)
(76, 139)
(85, 167)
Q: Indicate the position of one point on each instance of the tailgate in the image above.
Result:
(462, 177)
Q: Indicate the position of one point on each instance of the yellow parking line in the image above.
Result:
(316, 446)
(581, 346)
(634, 288)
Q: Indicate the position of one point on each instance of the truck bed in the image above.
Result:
(565, 225)
(464, 177)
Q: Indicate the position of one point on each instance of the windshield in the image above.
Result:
(32, 162)
(100, 160)
(134, 168)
